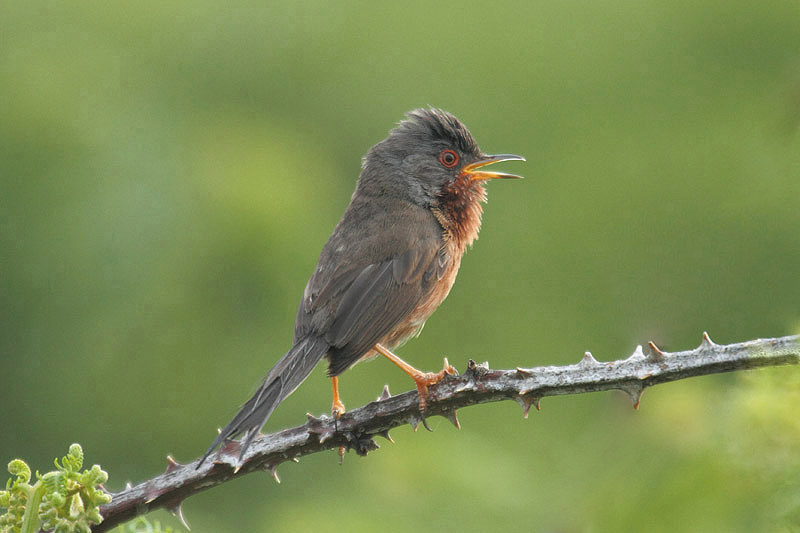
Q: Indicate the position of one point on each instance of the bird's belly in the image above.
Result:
(412, 325)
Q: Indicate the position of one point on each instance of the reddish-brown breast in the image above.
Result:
(459, 213)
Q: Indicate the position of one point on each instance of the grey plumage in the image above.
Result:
(282, 380)
(375, 275)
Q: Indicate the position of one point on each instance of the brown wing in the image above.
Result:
(366, 284)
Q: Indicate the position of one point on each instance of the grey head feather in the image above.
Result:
(405, 165)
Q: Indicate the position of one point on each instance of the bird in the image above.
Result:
(389, 263)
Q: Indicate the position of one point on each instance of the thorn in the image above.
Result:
(238, 467)
(589, 360)
(525, 401)
(178, 511)
(128, 486)
(172, 464)
(319, 427)
(655, 348)
(295, 459)
(230, 447)
(414, 422)
(465, 386)
(655, 352)
(425, 425)
(707, 342)
(637, 354)
(366, 445)
(524, 372)
(272, 470)
(385, 395)
(452, 416)
(634, 391)
(477, 369)
(385, 435)
(361, 444)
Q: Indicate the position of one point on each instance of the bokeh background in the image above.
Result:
(169, 172)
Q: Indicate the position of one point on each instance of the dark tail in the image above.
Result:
(282, 380)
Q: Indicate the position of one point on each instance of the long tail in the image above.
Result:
(282, 380)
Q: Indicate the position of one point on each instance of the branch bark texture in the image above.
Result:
(356, 429)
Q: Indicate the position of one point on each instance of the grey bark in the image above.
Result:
(356, 429)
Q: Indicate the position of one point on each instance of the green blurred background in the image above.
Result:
(171, 170)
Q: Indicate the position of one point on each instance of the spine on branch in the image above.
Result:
(356, 429)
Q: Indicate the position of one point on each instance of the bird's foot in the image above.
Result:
(425, 379)
(337, 408)
(341, 452)
(447, 368)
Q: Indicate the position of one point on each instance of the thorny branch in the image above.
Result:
(356, 429)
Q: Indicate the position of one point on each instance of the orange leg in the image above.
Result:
(337, 409)
(422, 379)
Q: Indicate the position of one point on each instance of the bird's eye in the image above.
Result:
(448, 158)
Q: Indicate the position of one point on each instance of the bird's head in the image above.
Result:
(428, 153)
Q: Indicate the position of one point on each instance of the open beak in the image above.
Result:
(473, 172)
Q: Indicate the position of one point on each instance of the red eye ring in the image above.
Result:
(448, 158)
